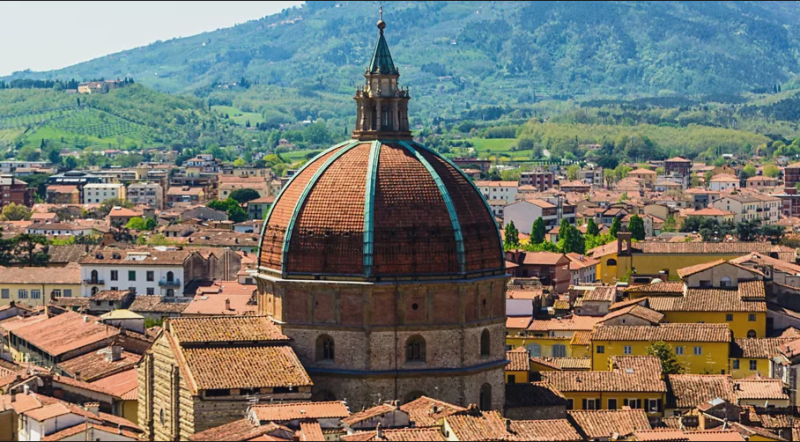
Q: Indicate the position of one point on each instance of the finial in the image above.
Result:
(381, 23)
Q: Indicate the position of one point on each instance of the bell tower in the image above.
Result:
(382, 111)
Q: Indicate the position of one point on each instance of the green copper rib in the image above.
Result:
(451, 209)
(488, 207)
(369, 207)
(304, 195)
(274, 203)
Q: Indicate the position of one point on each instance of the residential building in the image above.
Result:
(473, 163)
(186, 195)
(762, 182)
(182, 390)
(146, 194)
(258, 208)
(10, 167)
(36, 286)
(764, 209)
(525, 212)
(59, 229)
(63, 182)
(582, 269)
(206, 162)
(143, 272)
(713, 213)
(97, 193)
(552, 269)
(541, 180)
(678, 166)
(791, 194)
(499, 190)
(120, 216)
(593, 176)
(723, 182)
(647, 176)
(63, 195)
(14, 190)
(701, 197)
(566, 337)
(99, 87)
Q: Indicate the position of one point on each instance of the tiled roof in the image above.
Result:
(520, 360)
(692, 270)
(70, 274)
(520, 322)
(123, 384)
(66, 332)
(69, 433)
(256, 367)
(235, 431)
(93, 365)
(533, 394)
(637, 311)
(664, 332)
(604, 381)
(301, 410)
(219, 305)
(707, 300)
(369, 413)
(400, 435)
(602, 294)
(523, 294)
(543, 430)
(660, 287)
(543, 258)
(137, 257)
(155, 304)
(48, 412)
(68, 253)
(660, 434)
(760, 259)
(578, 262)
(476, 426)
(425, 411)
(565, 364)
(678, 160)
(581, 338)
(757, 348)
(649, 365)
(692, 390)
(223, 329)
(760, 389)
(709, 248)
(572, 323)
(752, 290)
(629, 302)
(605, 423)
(110, 295)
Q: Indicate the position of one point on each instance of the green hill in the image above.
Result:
(304, 62)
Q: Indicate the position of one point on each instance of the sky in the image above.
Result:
(43, 36)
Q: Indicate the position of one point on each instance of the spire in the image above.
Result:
(382, 59)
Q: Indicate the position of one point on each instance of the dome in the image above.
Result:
(377, 210)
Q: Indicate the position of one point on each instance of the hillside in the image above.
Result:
(304, 62)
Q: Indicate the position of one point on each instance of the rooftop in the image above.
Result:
(66, 332)
(301, 410)
(664, 332)
(236, 329)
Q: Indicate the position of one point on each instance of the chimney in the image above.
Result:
(86, 319)
(378, 432)
(508, 425)
(92, 407)
(113, 353)
(228, 304)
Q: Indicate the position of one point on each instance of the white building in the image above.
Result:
(761, 208)
(99, 193)
(157, 271)
(724, 182)
(58, 229)
(499, 190)
(524, 212)
(150, 194)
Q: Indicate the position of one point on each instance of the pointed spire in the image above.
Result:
(382, 60)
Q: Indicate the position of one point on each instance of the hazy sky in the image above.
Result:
(50, 35)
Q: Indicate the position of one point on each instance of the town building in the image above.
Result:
(63, 195)
(552, 269)
(368, 300)
(541, 180)
(762, 182)
(763, 209)
(96, 193)
(647, 176)
(499, 190)
(59, 229)
(146, 194)
(120, 216)
(582, 269)
(35, 287)
(723, 182)
(791, 192)
(14, 190)
(593, 176)
(525, 212)
(99, 87)
(257, 209)
(678, 166)
(186, 195)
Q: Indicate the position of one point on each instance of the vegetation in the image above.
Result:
(231, 207)
(511, 236)
(539, 231)
(15, 212)
(244, 195)
(636, 228)
(140, 224)
(664, 353)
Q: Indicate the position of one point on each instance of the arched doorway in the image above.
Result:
(485, 401)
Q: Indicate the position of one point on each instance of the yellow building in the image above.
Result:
(700, 348)
(556, 338)
(518, 370)
(749, 357)
(34, 286)
(646, 175)
(633, 382)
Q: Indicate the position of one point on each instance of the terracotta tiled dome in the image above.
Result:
(366, 210)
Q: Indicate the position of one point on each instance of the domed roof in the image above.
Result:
(372, 210)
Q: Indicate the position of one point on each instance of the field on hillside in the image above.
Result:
(238, 116)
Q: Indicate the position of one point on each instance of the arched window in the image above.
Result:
(415, 349)
(170, 276)
(486, 397)
(325, 349)
(414, 395)
(535, 350)
(725, 282)
(94, 290)
(170, 292)
(485, 343)
(611, 262)
(94, 277)
(751, 334)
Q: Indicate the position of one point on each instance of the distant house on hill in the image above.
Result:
(99, 87)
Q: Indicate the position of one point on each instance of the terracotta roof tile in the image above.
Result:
(660, 434)
(69, 433)
(66, 332)
(707, 300)
(604, 381)
(369, 413)
(758, 348)
(472, 425)
(760, 389)
(301, 410)
(123, 384)
(156, 304)
(605, 423)
(240, 430)
(93, 365)
(692, 270)
(425, 411)
(566, 364)
(664, 332)
(638, 311)
(256, 367)
(520, 360)
(692, 390)
(581, 338)
(535, 394)
(225, 329)
(401, 435)
(521, 322)
(602, 294)
(543, 430)
(660, 287)
(572, 323)
(70, 274)
(714, 435)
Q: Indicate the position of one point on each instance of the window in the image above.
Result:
(22, 294)
(612, 404)
(679, 351)
(512, 379)
(570, 404)
(94, 276)
(705, 284)
(698, 351)
(559, 351)
(485, 343)
(628, 350)
(115, 275)
(601, 349)
(36, 294)
(653, 405)
(415, 349)
(151, 276)
(114, 289)
(170, 277)
(735, 364)
(611, 262)
(535, 350)
(729, 318)
(131, 275)
(56, 293)
(591, 404)
(151, 291)
(486, 397)
(67, 293)
(634, 404)
(95, 290)
(753, 365)
(170, 292)
(725, 282)
(325, 349)
(751, 318)
(751, 334)
(5, 294)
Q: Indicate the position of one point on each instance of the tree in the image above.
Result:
(31, 250)
(572, 172)
(592, 228)
(6, 250)
(244, 195)
(664, 353)
(232, 207)
(570, 239)
(512, 235)
(616, 227)
(669, 224)
(747, 230)
(239, 162)
(141, 224)
(15, 212)
(636, 228)
(771, 170)
(538, 232)
(749, 171)
(773, 232)
(695, 180)
(107, 205)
